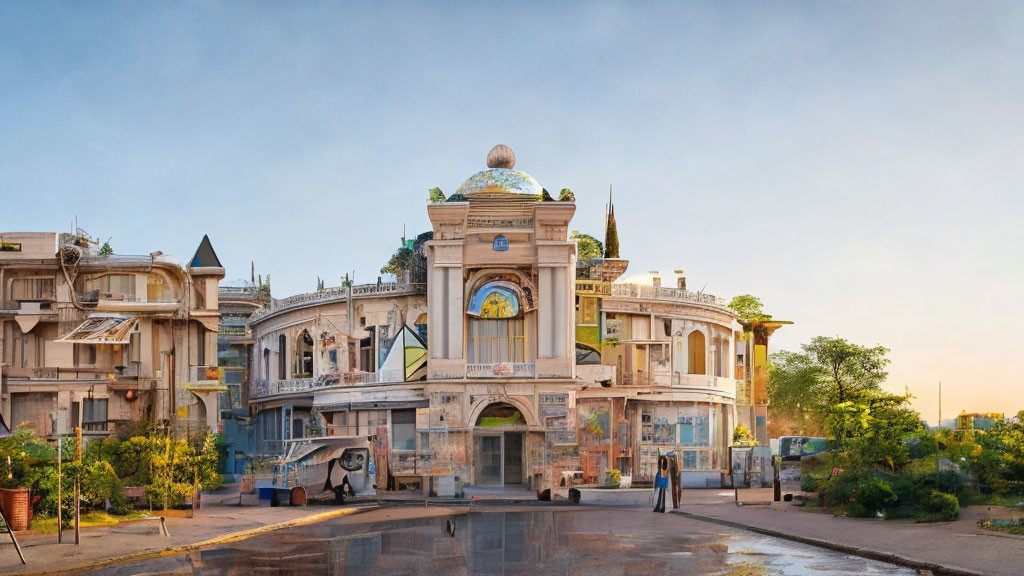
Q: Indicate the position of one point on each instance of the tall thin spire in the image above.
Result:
(611, 232)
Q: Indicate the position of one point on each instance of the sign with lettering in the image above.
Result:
(500, 370)
(500, 243)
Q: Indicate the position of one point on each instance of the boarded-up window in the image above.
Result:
(403, 429)
(32, 289)
(94, 414)
(36, 409)
(85, 355)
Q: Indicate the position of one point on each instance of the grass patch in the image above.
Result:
(48, 524)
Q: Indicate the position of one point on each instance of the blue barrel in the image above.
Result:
(266, 496)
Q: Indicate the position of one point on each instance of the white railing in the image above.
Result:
(664, 293)
(334, 294)
(263, 388)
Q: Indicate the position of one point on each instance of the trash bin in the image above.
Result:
(267, 495)
(17, 507)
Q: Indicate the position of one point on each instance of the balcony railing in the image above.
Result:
(335, 294)
(238, 292)
(664, 293)
(57, 373)
(223, 330)
(264, 389)
(677, 380)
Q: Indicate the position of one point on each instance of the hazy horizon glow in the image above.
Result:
(857, 166)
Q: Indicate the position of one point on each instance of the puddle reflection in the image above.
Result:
(576, 542)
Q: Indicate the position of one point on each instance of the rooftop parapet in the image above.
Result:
(334, 294)
(643, 292)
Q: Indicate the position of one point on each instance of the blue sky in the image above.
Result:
(857, 166)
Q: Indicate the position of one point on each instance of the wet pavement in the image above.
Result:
(570, 541)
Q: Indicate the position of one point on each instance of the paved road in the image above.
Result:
(959, 546)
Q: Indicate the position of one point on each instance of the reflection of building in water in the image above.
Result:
(533, 364)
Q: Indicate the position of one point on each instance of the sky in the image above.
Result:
(855, 165)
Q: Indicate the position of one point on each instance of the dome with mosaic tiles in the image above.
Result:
(501, 176)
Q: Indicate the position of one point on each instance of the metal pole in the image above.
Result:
(13, 538)
(60, 479)
(78, 495)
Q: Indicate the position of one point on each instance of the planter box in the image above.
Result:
(17, 507)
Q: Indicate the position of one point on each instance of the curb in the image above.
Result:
(937, 569)
(222, 539)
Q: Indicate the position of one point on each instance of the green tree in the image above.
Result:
(749, 308)
(403, 259)
(587, 247)
(545, 196)
(611, 237)
(796, 391)
(106, 250)
(849, 368)
(435, 195)
(566, 195)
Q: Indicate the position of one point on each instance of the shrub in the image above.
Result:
(811, 482)
(875, 494)
(938, 507)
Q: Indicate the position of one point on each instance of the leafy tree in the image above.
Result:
(566, 195)
(403, 259)
(749, 308)
(435, 195)
(796, 391)
(587, 246)
(849, 368)
(106, 250)
(545, 196)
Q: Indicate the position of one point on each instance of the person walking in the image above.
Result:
(660, 484)
(675, 476)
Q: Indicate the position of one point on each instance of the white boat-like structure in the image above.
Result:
(330, 466)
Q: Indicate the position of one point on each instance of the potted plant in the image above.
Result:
(612, 478)
(18, 453)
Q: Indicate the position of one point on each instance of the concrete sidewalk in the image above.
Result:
(45, 555)
(945, 548)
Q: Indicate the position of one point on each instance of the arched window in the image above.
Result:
(697, 353)
(304, 355)
(496, 327)
(282, 358)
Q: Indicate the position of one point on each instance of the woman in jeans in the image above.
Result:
(660, 484)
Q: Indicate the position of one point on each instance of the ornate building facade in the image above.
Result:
(512, 363)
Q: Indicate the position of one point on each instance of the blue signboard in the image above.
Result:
(500, 243)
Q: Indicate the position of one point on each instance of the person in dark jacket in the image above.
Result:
(677, 481)
(660, 484)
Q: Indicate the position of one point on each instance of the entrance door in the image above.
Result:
(513, 457)
(488, 459)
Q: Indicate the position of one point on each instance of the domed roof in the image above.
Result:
(501, 180)
(501, 176)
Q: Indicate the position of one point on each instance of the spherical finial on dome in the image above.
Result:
(501, 156)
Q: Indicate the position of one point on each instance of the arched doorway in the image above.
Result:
(498, 445)
(304, 355)
(697, 353)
